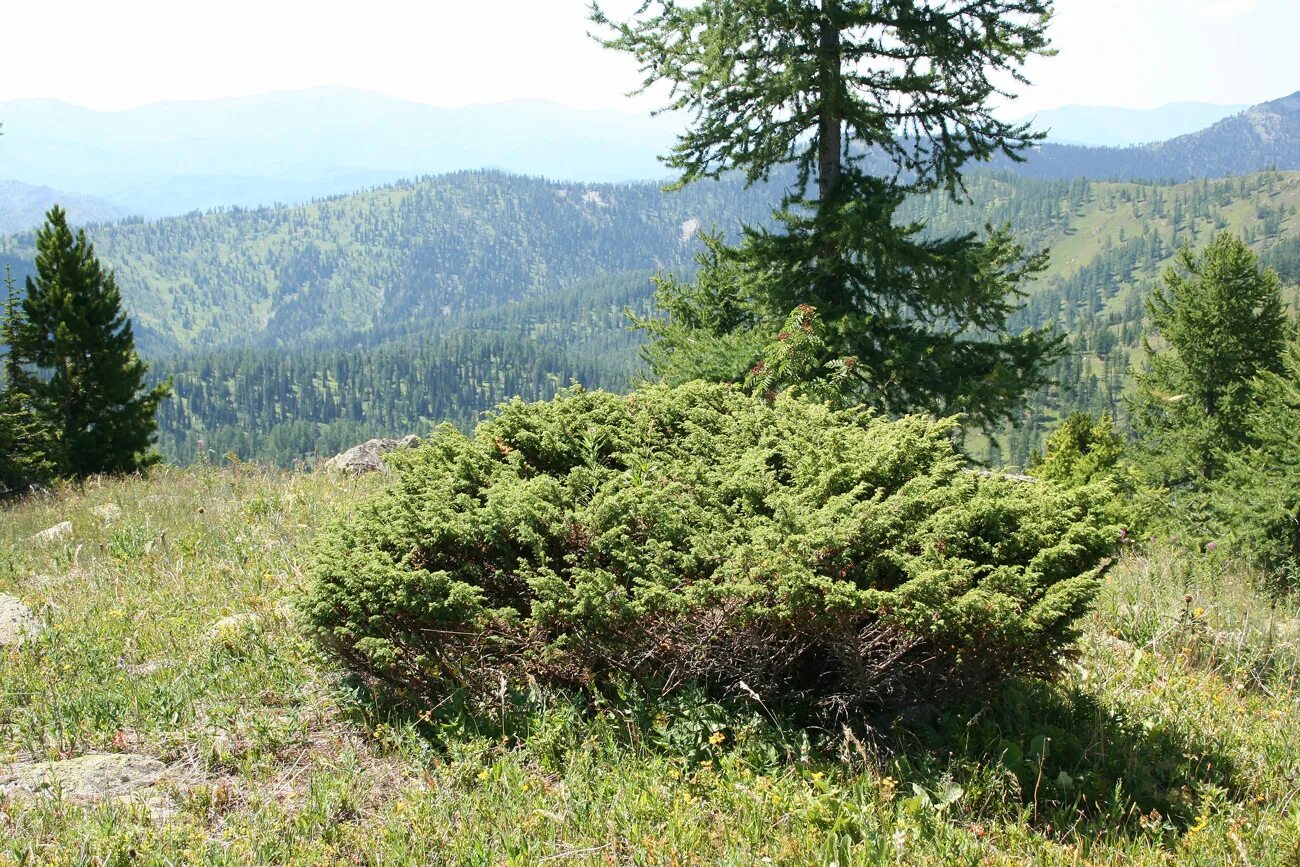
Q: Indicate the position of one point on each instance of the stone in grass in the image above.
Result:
(85, 780)
(58, 533)
(369, 456)
(230, 631)
(108, 512)
(16, 621)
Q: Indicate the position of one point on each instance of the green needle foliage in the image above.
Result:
(1220, 322)
(24, 438)
(870, 103)
(73, 330)
(822, 559)
(1259, 496)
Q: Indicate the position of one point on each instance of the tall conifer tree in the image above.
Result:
(868, 102)
(73, 328)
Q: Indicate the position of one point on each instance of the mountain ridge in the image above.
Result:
(291, 147)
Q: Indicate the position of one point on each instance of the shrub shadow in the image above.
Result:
(1073, 761)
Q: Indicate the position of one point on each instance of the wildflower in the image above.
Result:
(1202, 822)
(484, 774)
(717, 738)
(1210, 546)
(1199, 612)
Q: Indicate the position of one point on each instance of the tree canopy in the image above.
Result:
(870, 103)
(72, 328)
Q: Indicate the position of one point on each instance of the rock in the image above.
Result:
(108, 513)
(229, 630)
(145, 669)
(16, 621)
(369, 456)
(58, 533)
(86, 779)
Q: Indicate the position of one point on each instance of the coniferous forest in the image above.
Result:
(297, 364)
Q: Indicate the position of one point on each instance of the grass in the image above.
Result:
(1171, 740)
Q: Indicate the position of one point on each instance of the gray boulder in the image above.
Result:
(369, 456)
(58, 533)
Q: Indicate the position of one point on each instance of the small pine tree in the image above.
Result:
(73, 326)
(1221, 323)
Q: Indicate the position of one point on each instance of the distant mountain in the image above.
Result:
(1261, 137)
(175, 157)
(1103, 126)
(23, 206)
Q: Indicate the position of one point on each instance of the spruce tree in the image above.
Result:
(1220, 323)
(73, 329)
(25, 441)
(865, 104)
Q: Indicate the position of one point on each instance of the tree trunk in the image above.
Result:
(830, 122)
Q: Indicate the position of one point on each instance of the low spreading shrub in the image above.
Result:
(696, 537)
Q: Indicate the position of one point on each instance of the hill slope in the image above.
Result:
(170, 638)
(1265, 136)
(23, 207)
(410, 253)
(550, 322)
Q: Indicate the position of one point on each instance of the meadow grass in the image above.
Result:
(1174, 738)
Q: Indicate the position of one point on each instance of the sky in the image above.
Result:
(112, 56)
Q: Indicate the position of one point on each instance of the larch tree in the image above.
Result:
(74, 331)
(855, 106)
(1220, 323)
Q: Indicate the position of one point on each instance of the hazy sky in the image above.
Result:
(1136, 53)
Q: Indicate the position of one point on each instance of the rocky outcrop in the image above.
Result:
(85, 779)
(369, 456)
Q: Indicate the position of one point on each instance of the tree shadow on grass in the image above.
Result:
(1072, 761)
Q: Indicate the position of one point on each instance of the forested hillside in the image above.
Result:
(294, 332)
(271, 405)
(415, 252)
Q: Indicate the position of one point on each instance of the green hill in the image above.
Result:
(292, 332)
(389, 258)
